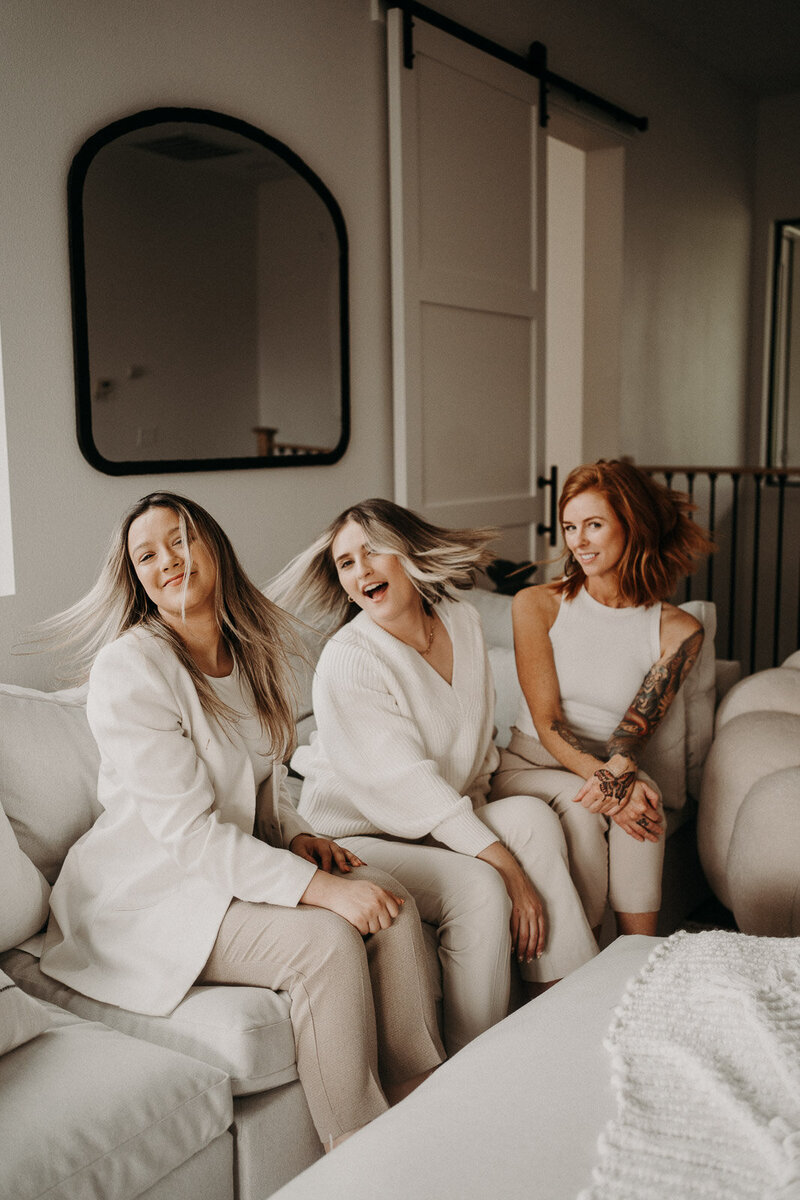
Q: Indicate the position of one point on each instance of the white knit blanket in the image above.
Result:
(706, 1068)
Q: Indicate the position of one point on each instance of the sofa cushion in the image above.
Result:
(664, 756)
(24, 891)
(495, 614)
(21, 1017)
(90, 1112)
(763, 857)
(700, 696)
(774, 690)
(508, 693)
(746, 748)
(48, 771)
(245, 1031)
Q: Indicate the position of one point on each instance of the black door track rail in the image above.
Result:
(534, 63)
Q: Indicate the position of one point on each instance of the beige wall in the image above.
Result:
(777, 199)
(312, 73)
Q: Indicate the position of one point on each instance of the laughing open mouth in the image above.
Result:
(373, 590)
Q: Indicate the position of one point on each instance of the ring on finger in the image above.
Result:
(643, 822)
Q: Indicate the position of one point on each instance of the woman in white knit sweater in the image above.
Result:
(600, 657)
(199, 869)
(400, 765)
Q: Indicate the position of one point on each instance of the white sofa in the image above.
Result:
(748, 827)
(48, 765)
(87, 1112)
(238, 1035)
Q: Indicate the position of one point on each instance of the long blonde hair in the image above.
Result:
(261, 638)
(436, 560)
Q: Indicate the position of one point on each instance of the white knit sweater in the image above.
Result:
(398, 750)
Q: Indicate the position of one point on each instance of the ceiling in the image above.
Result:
(754, 43)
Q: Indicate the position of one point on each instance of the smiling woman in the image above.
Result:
(199, 850)
(179, 576)
(400, 766)
(600, 657)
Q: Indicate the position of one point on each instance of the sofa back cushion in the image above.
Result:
(700, 696)
(24, 891)
(21, 1017)
(48, 771)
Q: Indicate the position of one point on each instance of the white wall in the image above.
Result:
(312, 74)
(777, 199)
(564, 382)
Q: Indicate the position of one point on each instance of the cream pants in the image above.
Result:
(466, 900)
(607, 865)
(362, 1008)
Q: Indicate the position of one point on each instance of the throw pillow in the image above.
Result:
(48, 771)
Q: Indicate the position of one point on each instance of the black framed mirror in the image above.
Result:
(209, 296)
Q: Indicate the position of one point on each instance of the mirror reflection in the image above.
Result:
(209, 270)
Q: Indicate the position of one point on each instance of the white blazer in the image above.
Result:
(140, 898)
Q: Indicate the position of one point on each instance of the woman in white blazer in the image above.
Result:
(199, 869)
(400, 765)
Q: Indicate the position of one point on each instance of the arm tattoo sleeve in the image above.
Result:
(658, 690)
(566, 734)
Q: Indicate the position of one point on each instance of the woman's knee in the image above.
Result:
(383, 879)
(481, 891)
(584, 828)
(332, 938)
(524, 822)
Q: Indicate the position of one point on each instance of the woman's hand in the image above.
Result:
(366, 905)
(609, 789)
(324, 853)
(528, 921)
(640, 817)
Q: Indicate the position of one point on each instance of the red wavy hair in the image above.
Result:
(663, 543)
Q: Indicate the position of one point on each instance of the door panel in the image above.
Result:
(467, 201)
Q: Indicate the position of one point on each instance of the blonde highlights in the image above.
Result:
(438, 561)
(261, 638)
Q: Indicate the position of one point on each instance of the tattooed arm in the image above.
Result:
(658, 690)
(681, 640)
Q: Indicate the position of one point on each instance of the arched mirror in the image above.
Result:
(209, 290)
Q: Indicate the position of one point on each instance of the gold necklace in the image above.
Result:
(427, 649)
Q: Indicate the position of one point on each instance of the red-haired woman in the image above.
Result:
(600, 657)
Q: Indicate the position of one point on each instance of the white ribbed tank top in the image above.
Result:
(602, 655)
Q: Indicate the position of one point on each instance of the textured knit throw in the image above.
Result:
(706, 1069)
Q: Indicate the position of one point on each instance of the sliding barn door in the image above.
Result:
(467, 186)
